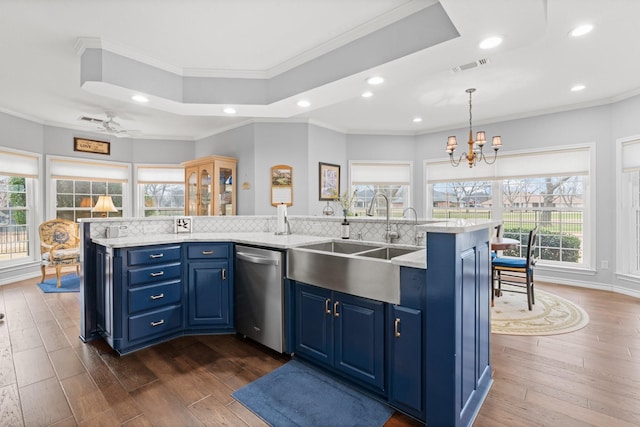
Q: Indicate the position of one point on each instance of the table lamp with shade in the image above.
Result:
(104, 205)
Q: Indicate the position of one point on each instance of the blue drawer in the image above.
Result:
(154, 296)
(155, 323)
(153, 255)
(208, 250)
(154, 274)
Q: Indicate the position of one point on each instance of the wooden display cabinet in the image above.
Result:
(210, 186)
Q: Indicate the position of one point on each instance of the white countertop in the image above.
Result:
(268, 239)
(455, 226)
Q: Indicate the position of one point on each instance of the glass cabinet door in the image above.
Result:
(191, 205)
(205, 192)
(226, 191)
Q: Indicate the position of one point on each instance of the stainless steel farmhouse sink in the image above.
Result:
(357, 268)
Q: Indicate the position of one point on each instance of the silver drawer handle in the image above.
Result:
(158, 323)
(159, 273)
(207, 252)
(152, 256)
(157, 296)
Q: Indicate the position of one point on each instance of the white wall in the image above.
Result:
(240, 144)
(326, 146)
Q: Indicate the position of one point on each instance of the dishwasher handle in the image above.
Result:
(256, 259)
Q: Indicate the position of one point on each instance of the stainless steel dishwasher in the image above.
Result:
(260, 295)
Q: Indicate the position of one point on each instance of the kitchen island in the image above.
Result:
(434, 362)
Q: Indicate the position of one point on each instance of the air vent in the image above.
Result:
(470, 65)
(90, 119)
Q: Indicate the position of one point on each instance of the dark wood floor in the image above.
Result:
(49, 377)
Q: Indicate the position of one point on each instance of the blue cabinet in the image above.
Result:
(146, 295)
(209, 287)
(406, 361)
(139, 295)
(342, 332)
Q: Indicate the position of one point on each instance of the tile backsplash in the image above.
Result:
(370, 229)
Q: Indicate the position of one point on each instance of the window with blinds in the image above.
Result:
(390, 178)
(77, 184)
(547, 189)
(160, 190)
(18, 177)
(629, 227)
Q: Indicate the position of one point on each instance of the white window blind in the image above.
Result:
(381, 173)
(18, 164)
(88, 170)
(160, 174)
(562, 162)
(631, 156)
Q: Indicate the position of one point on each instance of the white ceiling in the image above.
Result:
(530, 73)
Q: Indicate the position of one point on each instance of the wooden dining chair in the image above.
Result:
(516, 271)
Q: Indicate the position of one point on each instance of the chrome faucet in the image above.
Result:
(388, 235)
(417, 240)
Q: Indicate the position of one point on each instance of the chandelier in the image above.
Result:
(475, 154)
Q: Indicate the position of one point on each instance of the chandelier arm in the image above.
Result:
(495, 157)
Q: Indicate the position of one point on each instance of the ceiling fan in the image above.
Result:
(108, 125)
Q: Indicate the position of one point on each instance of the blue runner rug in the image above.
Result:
(68, 283)
(298, 395)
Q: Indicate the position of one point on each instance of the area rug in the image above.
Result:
(551, 315)
(68, 283)
(296, 394)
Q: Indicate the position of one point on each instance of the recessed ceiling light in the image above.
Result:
(375, 80)
(140, 98)
(303, 103)
(417, 119)
(367, 94)
(581, 30)
(230, 110)
(490, 42)
(577, 88)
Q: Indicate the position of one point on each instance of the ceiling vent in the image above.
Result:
(475, 64)
(91, 119)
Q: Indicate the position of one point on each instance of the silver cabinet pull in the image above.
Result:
(396, 327)
(153, 256)
(157, 296)
(327, 310)
(224, 274)
(335, 309)
(207, 252)
(158, 323)
(159, 273)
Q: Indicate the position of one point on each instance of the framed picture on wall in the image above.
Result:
(281, 185)
(329, 183)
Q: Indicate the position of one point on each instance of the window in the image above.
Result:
(77, 184)
(462, 199)
(76, 198)
(547, 189)
(393, 179)
(629, 225)
(18, 175)
(160, 190)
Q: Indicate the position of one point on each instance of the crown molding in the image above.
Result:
(402, 11)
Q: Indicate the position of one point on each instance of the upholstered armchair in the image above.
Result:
(59, 245)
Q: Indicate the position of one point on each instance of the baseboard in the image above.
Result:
(590, 285)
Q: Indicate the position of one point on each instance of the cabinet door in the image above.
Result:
(313, 323)
(225, 196)
(191, 192)
(359, 338)
(209, 294)
(204, 188)
(405, 360)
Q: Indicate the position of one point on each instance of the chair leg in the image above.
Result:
(58, 274)
(493, 285)
(529, 284)
(42, 268)
(78, 270)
